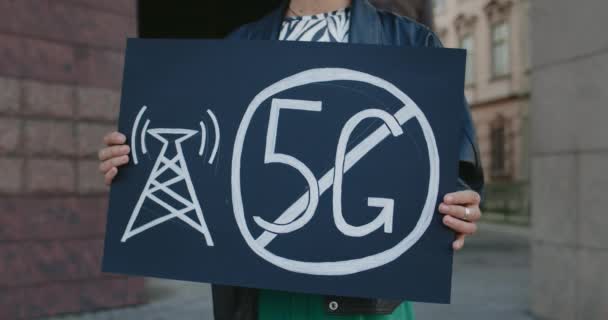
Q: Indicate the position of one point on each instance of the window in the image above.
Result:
(468, 44)
(500, 49)
(438, 6)
(498, 150)
(465, 29)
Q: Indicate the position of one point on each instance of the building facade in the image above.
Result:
(60, 75)
(569, 152)
(495, 34)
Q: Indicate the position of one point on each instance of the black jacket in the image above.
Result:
(369, 26)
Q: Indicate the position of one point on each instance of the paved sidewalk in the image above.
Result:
(490, 282)
(491, 278)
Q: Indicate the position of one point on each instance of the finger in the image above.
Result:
(113, 151)
(459, 242)
(459, 211)
(460, 226)
(109, 176)
(107, 165)
(462, 197)
(114, 138)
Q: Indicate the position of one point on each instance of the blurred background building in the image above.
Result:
(496, 35)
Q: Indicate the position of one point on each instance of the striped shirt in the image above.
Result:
(324, 27)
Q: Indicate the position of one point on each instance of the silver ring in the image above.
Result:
(467, 213)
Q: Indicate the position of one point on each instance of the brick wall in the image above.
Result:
(60, 73)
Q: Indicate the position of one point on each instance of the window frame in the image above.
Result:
(499, 150)
(470, 68)
(439, 6)
(505, 41)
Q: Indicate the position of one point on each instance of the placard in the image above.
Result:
(301, 167)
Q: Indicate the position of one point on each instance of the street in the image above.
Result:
(491, 278)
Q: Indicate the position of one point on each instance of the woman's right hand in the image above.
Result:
(112, 156)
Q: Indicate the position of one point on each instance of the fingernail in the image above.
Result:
(126, 149)
(448, 198)
(443, 207)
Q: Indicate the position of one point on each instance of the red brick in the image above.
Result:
(15, 18)
(49, 137)
(52, 218)
(103, 29)
(90, 137)
(11, 301)
(47, 60)
(14, 265)
(55, 298)
(67, 260)
(48, 99)
(126, 7)
(10, 91)
(56, 62)
(136, 290)
(50, 247)
(12, 180)
(11, 55)
(29, 263)
(62, 21)
(98, 68)
(50, 176)
(9, 134)
(53, 61)
(98, 104)
(90, 180)
(104, 294)
(51, 299)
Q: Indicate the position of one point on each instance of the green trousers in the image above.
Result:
(275, 305)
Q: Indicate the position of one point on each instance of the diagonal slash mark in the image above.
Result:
(352, 157)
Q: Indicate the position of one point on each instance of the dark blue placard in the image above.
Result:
(237, 153)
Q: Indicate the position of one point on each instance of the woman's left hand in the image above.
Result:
(461, 211)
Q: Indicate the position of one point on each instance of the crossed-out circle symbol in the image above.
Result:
(350, 266)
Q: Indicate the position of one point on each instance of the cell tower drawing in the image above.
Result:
(170, 169)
